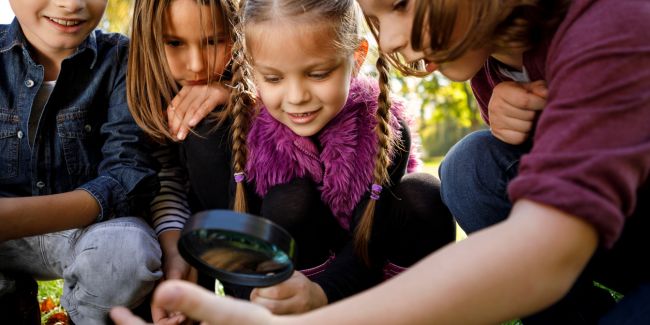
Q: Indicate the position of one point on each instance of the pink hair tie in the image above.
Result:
(375, 190)
(239, 177)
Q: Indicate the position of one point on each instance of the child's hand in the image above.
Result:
(296, 295)
(199, 304)
(174, 267)
(192, 104)
(513, 108)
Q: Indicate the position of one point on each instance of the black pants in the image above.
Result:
(410, 220)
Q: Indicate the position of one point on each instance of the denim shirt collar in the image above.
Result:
(14, 37)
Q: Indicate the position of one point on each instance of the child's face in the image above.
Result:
(57, 28)
(196, 52)
(396, 21)
(303, 82)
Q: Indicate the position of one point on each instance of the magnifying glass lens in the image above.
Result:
(238, 248)
(236, 252)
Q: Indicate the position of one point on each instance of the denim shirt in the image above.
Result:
(86, 138)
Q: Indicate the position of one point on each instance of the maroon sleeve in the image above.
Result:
(591, 150)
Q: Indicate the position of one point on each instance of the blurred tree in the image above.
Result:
(117, 16)
(447, 110)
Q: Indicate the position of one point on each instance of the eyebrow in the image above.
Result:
(325, 64)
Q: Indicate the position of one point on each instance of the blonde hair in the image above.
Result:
(343, 16)
(150, 86)
(502, 24)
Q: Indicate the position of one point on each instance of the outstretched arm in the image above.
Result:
(512, 269)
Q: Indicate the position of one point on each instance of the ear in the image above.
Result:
(360, 55)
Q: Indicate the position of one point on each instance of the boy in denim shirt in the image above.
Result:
(73, 160)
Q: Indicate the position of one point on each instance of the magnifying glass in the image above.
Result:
(238, 248)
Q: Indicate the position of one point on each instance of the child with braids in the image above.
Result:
(177, 75)
(328, 155)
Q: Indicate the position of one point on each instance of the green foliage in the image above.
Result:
(52, 289)
(116, 18)
(447, 110)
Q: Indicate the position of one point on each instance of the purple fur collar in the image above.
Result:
(344, 165)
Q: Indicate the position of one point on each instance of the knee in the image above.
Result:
(464, 156)
(419, 201)
(287, 204)
(118, 260)
(466, 164)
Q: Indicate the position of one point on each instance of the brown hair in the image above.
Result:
(503, 24)
(149, 84)
(343, 17)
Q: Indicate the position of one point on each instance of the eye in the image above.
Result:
(319, 75)
(173, 43)
(272, 79)
(400, 5)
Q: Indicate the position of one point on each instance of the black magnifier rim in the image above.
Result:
(246, 224)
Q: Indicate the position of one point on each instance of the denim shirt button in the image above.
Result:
(88, 128)
(40, 184)
(29, 83)
(20, 134)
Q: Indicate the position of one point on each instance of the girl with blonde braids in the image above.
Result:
(327, 154)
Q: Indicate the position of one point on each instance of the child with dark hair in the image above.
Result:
(75, 171)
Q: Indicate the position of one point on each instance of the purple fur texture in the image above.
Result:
(345, 164)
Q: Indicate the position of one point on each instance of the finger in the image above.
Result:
(202, 305)
(526, 100)
(218, 95)
(279, 291)
(179, 99)
(538, 88)
(510, 111)
(179, 106)
(173, 121)
(169, 321)
(123, 316)
(193, 102)
(157, 314)
(514, 124)
(511, 137)
(277, 307)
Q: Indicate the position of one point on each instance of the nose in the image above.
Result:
(196, 60)
(297, 93)
(71, 5)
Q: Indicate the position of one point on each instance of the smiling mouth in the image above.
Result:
(302, 114)
(65, 22)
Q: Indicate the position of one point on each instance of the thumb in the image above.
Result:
(202, 305)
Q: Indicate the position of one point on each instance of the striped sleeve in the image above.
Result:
(169, 209)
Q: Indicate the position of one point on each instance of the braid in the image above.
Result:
(382, 160)
(241, 99)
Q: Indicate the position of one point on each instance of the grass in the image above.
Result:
(49, 298)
